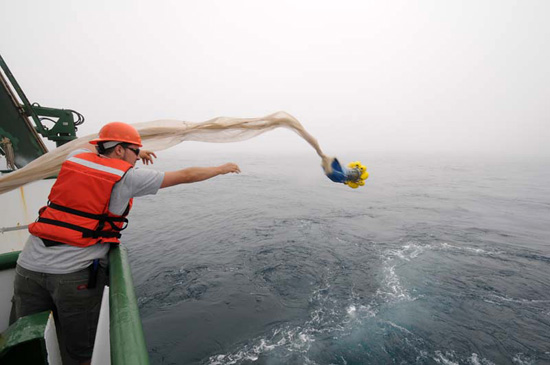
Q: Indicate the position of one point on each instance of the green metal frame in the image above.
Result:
(16, 126)
(64, 129)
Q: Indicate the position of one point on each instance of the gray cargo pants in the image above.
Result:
(75, 307)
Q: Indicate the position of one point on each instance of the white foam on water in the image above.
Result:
(475, 360)
(444, 359)
(359, 312)
(330, 317)
(447, 246)
(392, 290)
(409, 251)
(475, 250)
(522, 359)
(297, 339)
(264, 346)
(450, 358)
(245, 354)
(308, 361)
(422, 355)
(398, 327)
(519, 301)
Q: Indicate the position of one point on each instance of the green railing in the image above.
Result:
(127, 340)
(8, 260)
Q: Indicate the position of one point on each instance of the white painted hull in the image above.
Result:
(19, 208)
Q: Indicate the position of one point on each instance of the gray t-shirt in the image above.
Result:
(64, 259)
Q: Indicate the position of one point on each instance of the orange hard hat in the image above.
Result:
(118, 131)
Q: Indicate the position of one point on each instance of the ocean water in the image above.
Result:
(438, 259)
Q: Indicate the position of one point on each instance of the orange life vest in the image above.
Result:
(77, 213)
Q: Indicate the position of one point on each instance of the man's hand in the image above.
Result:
(229, 167)
(147, 156)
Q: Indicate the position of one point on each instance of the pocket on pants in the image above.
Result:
(71, 293)
(78, 311)
(30, 293)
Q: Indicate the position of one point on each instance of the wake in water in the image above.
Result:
(352, 330)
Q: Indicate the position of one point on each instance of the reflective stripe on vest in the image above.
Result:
(97, 166)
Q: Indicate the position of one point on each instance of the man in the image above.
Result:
(63, 265)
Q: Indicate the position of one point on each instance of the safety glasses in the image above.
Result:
(134, 150)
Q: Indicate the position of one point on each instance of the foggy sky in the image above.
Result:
(430, 76)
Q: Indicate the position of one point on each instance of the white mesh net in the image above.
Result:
(162, 134)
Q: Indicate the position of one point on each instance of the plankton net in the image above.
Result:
(162, 134)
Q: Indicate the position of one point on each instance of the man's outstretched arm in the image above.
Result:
(195, 174)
